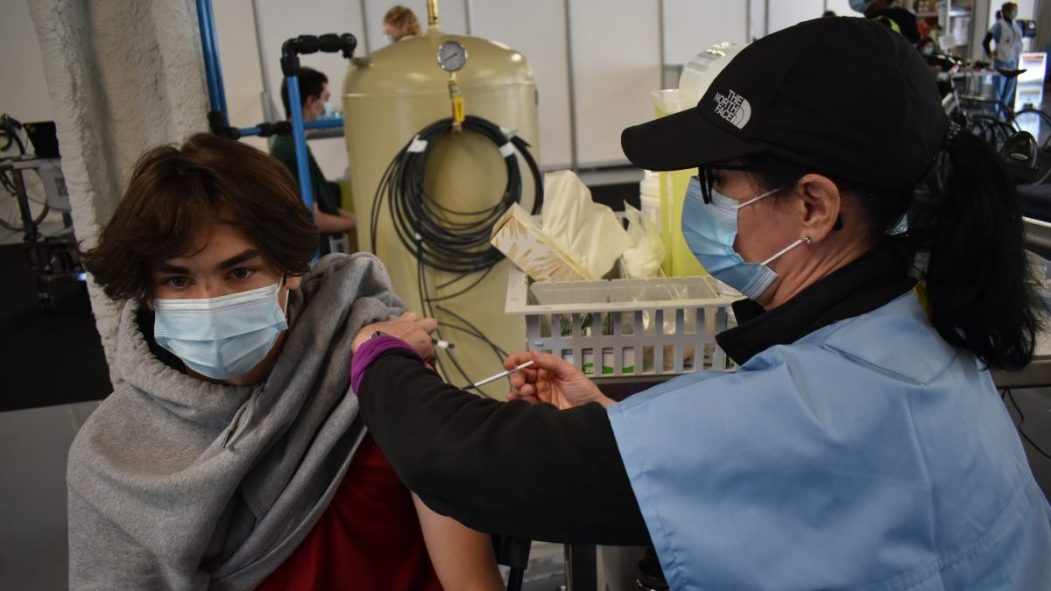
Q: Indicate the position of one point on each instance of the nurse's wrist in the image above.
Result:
(371, 350)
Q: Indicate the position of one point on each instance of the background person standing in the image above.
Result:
(1008, 36)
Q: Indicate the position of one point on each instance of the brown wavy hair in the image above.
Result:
(175, 192)
(404, 19)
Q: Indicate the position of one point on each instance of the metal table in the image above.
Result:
(51, 257)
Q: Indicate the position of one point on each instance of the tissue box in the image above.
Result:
(520, 238)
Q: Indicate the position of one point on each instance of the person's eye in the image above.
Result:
(177, 281)
(241, 273)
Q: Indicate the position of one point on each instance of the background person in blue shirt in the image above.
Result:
(861, 444)
(1007, 34)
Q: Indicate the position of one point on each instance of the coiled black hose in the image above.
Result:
(442, 238)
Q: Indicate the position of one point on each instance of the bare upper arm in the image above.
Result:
(462, 557)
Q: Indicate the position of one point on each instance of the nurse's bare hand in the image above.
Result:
(408, 327)
(551, 380)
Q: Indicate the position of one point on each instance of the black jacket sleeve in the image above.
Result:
(528, 471)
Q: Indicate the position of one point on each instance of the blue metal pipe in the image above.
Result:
(215, 60)
(300, 141)
(323, 123)
(206, 48)
(307, 125)
(209, 45)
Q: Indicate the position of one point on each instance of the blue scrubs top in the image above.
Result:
(869, 454)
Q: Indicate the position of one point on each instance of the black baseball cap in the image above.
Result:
(846, 96)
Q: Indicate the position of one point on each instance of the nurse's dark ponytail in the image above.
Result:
(965, 240)
(977, 277)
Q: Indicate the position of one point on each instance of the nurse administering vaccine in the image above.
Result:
(861, 443)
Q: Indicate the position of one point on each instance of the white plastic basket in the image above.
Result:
(628, 327)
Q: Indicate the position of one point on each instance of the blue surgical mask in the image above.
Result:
(331, 112)
(858, 5)
(710, 230)
(221, 337)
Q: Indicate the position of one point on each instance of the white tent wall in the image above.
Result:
(122, 76)
(21, 68)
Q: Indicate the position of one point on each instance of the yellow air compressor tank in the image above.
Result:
(389, 96)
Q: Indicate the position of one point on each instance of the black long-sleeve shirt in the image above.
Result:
(534, 472)
(530, 471)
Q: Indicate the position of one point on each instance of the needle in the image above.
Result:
(495, 377)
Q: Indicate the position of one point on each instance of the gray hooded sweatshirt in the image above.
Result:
(179, 483)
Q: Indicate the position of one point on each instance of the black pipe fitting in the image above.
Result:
(306, 44)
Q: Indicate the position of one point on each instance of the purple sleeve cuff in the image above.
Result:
(369, 351)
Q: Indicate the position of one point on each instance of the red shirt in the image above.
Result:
(368, 539)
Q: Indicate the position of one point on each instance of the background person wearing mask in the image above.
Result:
(861, 443)
(230, 454)
(1007, 34)
(400, 23)
(333, 221)
(898, 19)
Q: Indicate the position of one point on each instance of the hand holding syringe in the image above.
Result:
(549, 379)
(497, 376)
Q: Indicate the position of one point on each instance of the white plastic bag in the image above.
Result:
(645, 253)
(587, 232)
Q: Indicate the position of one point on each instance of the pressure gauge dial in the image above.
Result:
(452, 56)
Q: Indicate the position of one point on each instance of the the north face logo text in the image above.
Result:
(734, 108)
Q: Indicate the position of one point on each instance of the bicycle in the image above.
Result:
(12, 142)
(983, 116)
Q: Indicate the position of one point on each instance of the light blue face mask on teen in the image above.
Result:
(710, 230)
(221, 337)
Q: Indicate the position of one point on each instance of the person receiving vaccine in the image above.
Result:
(861, 442)
(230, 454)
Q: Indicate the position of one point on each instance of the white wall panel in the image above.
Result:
(840, 7)
(538, 30)
(25, 95)
(615, 48)
(691, 26)
(239, 59)
(785, 13)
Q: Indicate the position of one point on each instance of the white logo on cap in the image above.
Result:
(734, 108)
